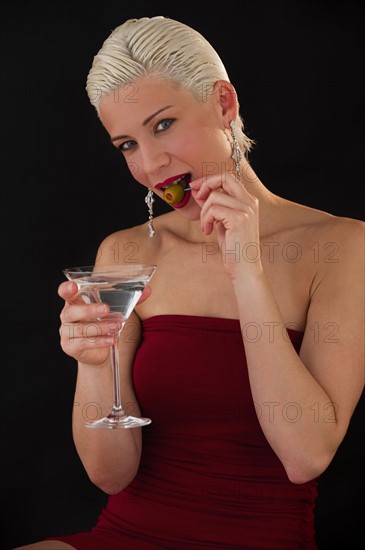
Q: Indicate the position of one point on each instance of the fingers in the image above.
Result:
(145, 294)
(224, 202)
(88, 329)
(233, 213)
(226, 182)
(81, 329)
(87, 341)
(74, 312)
(68, 290)
(91, 330)
(217, 207)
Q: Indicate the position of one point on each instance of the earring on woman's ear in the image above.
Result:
(149, 200)
(237, 154)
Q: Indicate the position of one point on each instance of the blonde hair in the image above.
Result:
(160, 47)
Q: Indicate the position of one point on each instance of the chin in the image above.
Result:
(190, 212)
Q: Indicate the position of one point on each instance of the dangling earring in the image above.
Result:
(237, 154)
(149, 200)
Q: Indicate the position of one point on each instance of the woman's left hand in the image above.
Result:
(229, 209)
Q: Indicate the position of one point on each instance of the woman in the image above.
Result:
(247, 348)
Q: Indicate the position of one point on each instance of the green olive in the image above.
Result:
(173, 194)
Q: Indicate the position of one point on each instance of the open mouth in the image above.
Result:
(176, 191)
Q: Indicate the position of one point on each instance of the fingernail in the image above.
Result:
(101, 308)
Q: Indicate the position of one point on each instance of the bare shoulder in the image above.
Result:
(334, 255)
(324, 232)
(342, 249)
(345, 237)
(131, 245)
(337, 226)
(134, 245)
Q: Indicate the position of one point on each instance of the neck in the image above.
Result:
(253, 183)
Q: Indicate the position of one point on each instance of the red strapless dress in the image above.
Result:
(208, 478)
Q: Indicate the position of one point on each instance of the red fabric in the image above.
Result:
(208, 479)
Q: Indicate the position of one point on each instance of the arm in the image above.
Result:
(110, 457)
(322, 386)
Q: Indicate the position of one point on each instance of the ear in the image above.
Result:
(226, 95)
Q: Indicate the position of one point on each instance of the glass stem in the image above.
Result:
(114, 355)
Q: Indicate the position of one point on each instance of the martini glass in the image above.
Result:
(120, 286)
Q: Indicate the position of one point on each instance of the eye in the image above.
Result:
(126, 145)
(164, 124)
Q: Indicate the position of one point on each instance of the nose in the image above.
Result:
(154, 158)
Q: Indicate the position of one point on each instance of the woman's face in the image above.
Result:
(165, 133)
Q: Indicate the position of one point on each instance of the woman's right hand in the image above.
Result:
(84, 336)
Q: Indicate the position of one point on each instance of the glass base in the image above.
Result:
(112, 423)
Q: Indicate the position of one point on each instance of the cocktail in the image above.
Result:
(120, 286)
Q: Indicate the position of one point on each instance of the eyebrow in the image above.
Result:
(145, 122)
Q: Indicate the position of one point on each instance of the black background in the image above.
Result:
(298, 70)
